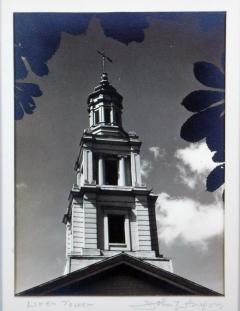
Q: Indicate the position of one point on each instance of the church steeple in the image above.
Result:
(110, 210)
(104, 106)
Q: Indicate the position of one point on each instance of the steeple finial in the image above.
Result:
(104, 56)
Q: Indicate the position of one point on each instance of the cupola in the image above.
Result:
(104, 105)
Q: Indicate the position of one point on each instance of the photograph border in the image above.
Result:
(230, 300)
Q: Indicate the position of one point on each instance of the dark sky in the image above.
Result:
(153, 77)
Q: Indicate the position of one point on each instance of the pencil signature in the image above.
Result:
(177, 305)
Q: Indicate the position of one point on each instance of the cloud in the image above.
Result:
(189, 220)
(21, 185)
(185, 177)
(194, 164)
(146, 167)
(197, 157)
(158, 152)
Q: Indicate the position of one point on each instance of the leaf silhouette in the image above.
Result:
(36, 38)
(215, 141)
(39, 68)
(216, 178)
(208, 121)
(37, 35)
(201, 124)
(24, 102)
(20, 70)
(124, 27)
(209, 75)
(200, 100)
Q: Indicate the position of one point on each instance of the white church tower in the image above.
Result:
(110, 210)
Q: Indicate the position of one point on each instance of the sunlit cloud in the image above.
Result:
(189, 220)
(146, 167)
(186, 177)
(158, 152)
(194, 164)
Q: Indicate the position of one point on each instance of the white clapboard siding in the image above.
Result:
(91, 230)
(89, 221)
(88, 215)
(90, 211)
(143, 212)
(143, 227)
(144, 240)
(68, 241)
(77, 228)
(134, 233)
(90, 218)
(78, 233)
(91, 246)
(91, 225)
(145, 243)
(90, 235)
(144, 234)
(78, 240)
(77, 250)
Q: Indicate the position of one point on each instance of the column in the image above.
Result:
(122, 176)
(127, 232)
(101, 115)
(133, 169)
(90, 166)
(91, 118)
(106, 238)
(138, 170)
(78, 177)
(101, 170)
(112, 115)
(87, 166)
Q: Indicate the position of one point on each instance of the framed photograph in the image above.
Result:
(114, 185)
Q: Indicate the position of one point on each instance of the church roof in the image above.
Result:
(123, 275)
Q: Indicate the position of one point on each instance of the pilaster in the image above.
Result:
(90, 221)
(87, 166)
(122, 176)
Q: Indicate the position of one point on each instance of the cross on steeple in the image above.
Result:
(104, 56)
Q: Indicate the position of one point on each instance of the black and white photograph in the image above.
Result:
(120, 156)
(119, 153)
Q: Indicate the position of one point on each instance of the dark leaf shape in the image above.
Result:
(216, 141)
(24, 102)
(31, 88)
(209, 75)
(39, 68)
(219, 156)
(200, 100)
(211, 20)
(37, 37)
(20, 71)
(124, 27)
(19, 113)
(201, 124)
(216, 178)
